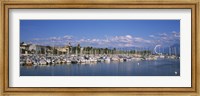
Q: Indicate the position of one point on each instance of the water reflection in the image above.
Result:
(163, 67)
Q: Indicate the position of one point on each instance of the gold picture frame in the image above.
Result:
(32, 4)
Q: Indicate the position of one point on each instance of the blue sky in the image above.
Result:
(101, 33)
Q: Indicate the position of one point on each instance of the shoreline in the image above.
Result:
(48, 59)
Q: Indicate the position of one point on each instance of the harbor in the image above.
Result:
(99, 48)
(87, 61)
(86, 55)
(160, 67)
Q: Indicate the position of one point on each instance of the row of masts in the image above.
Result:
(171, 51)
(78, 50)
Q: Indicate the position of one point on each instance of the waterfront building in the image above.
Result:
(24, 48)
(62, 50)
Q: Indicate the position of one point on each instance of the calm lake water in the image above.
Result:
(161, 67)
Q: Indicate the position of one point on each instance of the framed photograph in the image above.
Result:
(101, 48)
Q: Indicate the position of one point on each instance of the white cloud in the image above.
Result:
(54, 38)
(129, 36)
(114, 41)
(141, 40)
(163, 35)
(176, 34)
(67, 37)
(167, 39)
(152, 36)
(52, 41)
